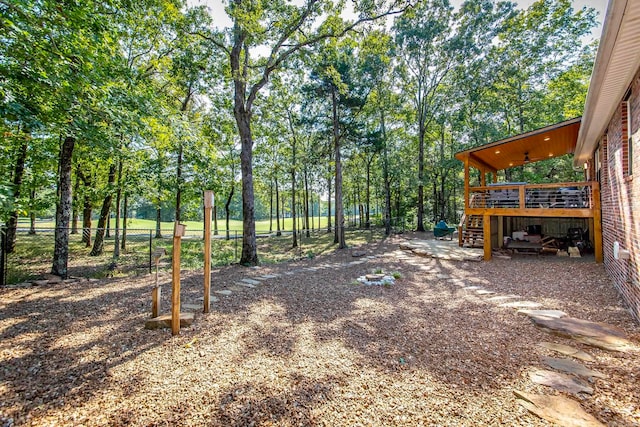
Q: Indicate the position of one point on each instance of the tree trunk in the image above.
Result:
(294, 241)
(179, 182)
(86, 207)
(116, 243)
(107, 232)
(249, 243)
(367, 218)
(385, 177)
(98, 243)
(420, 226)
(158, 222)
(306, 202)
(63, 210)
(270, 206)
(125, 212)
(215, 220)
(32, 216)
(339, 219)
(278, 230)
(227, 209)
(74, 214)
(329, 197)
(18, 173)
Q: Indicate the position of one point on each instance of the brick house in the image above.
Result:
(608, 145)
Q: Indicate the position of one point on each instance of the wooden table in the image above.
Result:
(523, 245)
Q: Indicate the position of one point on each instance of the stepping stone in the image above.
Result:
(502, 298)
(357, 254)
(211, 299)
(289, 273)
(271, 276)
(555, 314)
(600, 335)
(560, 382)
(192, 307)
(484, 292)
(245, 285)
(443, 276)
(521, 304)
(244, 282)
(164, 321)
(261, 278)
(572, 367)
(559, 410)
(567, 350)
(472, 288)
(225, 292)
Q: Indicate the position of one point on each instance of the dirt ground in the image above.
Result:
(311, 347)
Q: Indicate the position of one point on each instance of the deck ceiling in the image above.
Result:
(540, 144)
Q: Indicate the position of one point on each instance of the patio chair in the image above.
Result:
(442, 230)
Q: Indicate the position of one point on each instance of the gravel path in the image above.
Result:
(310, 346)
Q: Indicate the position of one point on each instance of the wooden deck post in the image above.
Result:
(208, 206)
(466, 183)
(178, 232)
(597, 222)
(486, 236)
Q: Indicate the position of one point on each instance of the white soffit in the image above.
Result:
(617, 61)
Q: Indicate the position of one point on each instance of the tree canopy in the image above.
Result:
(298, 109)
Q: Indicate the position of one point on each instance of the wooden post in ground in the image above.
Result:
(208, 206)
(486, 224)
(178, 232)
(597, 222)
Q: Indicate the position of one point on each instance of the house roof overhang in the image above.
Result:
(540, 144)
(616, 63)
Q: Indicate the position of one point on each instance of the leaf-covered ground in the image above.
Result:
(310, 347)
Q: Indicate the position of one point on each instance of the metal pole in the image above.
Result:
(3, 257)
(150, 255)
(208, 206)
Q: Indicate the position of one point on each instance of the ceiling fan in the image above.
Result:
(527, 159)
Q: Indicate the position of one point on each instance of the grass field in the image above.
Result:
(33, 253)
(262, 226)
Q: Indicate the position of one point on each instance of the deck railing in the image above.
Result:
(564, 195)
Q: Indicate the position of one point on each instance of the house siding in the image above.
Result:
(620, 198)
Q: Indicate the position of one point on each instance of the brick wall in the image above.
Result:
(620, 194)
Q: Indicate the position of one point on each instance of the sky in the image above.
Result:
(221, 20)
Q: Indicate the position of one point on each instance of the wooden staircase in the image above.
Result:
(472, 231)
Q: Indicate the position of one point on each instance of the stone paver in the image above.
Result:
(521, 304)
(600, 335)
(559, 410)
(567, 351)
(245, 285)
(246, 281)
(555, 314)
(499, 298)
(560, 382)
(572, 367)
(224, 292)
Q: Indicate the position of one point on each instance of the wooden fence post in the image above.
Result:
(178, 232)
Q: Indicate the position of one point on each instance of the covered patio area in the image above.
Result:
(489, 205)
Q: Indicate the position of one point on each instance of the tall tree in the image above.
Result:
(284, 29)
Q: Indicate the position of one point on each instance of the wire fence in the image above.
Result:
(30, 256)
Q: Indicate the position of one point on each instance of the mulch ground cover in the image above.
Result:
(310, 347)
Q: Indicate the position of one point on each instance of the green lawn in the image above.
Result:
(32, 256)
(195, 227)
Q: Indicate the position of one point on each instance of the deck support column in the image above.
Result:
(486, 236)
(466, 183)
(597, 223)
